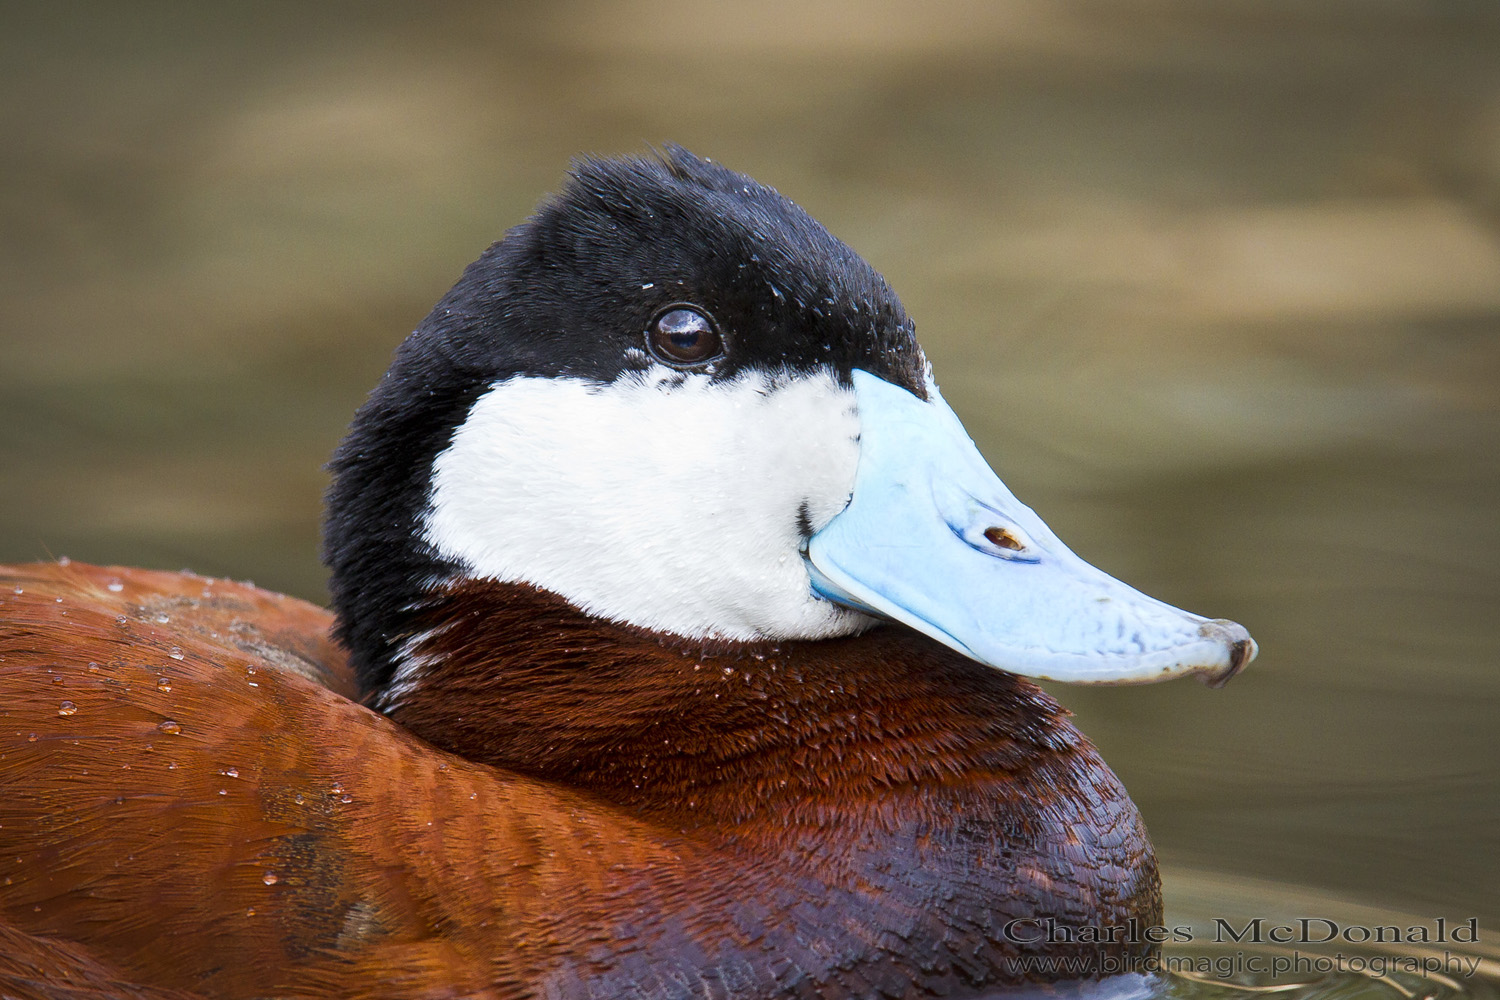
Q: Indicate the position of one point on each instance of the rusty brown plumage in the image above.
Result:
(557, 807)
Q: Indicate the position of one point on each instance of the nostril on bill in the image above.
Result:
(1003, 539)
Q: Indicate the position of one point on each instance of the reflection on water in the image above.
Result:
(1310, 966)
(1215, 286)
(1222, 949)
(1249, 986)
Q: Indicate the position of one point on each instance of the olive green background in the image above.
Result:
(1215, 286)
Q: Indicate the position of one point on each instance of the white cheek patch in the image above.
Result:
(665, 500)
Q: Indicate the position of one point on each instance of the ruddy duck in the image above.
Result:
(678, 650)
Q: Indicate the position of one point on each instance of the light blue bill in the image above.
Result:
(933, 539)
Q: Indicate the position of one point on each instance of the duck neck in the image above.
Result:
(881, 763)
(724, 733)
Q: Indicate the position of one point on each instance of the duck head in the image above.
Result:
(675, 401)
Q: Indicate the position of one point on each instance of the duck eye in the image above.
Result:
(682, 335)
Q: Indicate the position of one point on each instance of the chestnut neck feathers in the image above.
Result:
(881, 736)
(520, 679)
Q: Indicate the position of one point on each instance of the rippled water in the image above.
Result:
(1216, 286)
(1222, 949)
(1214, 966)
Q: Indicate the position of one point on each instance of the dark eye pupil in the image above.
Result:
(684, 336)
